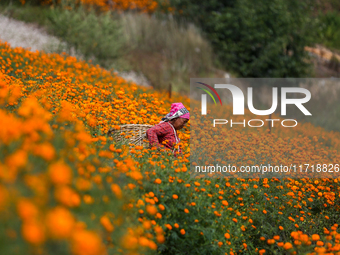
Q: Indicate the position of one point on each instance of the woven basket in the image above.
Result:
(132, 133)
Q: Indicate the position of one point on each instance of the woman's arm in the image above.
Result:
(154, 132)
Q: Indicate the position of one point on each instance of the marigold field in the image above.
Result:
(143, 6)
(67, 188)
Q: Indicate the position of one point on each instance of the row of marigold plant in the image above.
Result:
(67, 188)
(141, 6)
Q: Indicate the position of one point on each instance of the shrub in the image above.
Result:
(329, 29)
(96, 37)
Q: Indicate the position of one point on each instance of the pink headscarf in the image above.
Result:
(177, 110)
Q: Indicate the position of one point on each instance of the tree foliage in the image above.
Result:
(255, 38)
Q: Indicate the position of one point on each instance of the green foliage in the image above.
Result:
(96, 37)
(255, 39)
(29, 13)
(330, 29)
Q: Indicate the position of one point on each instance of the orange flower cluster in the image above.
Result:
(61, 174)
(52, 169)
(304, 144)
(143, 6)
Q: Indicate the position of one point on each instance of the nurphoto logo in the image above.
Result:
(239, 99)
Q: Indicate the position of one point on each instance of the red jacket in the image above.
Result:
(161, 132)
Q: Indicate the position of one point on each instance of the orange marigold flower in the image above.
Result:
(315, 237)
(33, 232)
(67, 196)
(287, 246)
(160, 238)
(151, 209)
(129, 242)
(86, 242)
(106, 223)
(26, 209)
(158, 181)
(270, 241)
(45, 151)
(319, 243)
(60, 173)
(224, 202)
(116, 189)
(60, 222)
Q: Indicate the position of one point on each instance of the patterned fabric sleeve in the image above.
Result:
(154, 132)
